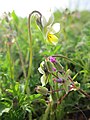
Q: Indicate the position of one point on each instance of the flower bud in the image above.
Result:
(52, 59)
(54, 69)
(77, 85)
(60, 80)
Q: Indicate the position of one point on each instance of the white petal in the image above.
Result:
(40, 70)
(42, 64)
(51, 20)
(43, 80)
(54, 43)
(55, 28)
(47, 19)
(43, 21)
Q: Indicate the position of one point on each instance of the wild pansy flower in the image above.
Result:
(50, 29)
(43, 70)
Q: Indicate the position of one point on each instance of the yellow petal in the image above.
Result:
(52, 38)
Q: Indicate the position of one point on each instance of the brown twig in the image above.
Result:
(80, 90)
(62, 98)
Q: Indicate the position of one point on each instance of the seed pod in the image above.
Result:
(42, 90)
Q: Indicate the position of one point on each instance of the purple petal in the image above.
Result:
(59, 80)
(52, 59)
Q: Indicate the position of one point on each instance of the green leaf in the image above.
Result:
(58, 66)
(17, 86)
(35, 96)
(66, 85)
(68, 72)
(50, 66)
(4, 108)
(15, 17)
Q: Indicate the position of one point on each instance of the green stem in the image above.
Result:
(30, 59)
(10, 64)
(30, 50)
(30, 45)
(47, 111)
(62, 56)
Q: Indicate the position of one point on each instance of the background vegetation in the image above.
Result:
(74, 43)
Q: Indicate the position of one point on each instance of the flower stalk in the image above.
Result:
(30, 50)
(30, 38)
